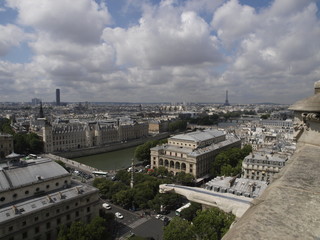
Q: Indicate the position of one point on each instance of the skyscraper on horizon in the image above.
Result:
(227, 101)
(58, 97)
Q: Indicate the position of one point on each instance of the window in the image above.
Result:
(24, 223)
(57, 184)
(2, 199)
(88, 209)
(47, 214)
(58, 221)
(48, 225)
(10, 228)
(26, 192)
(36, 219)
(37, 229)
(48, 186)
(67, 207)
(25, 235)
(14, 195)
(68, 216)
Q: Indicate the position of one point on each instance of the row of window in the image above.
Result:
(58, 220)
(15, 195)
(48, 234)
(181, 144)
(276, 163)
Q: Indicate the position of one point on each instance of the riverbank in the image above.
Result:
(109, 148)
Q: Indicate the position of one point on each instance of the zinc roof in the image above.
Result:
(199, 136)
(29, 172)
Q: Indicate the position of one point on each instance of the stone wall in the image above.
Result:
(112, 147)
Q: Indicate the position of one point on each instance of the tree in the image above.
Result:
(178, 229)
(180, 125)
(184, 178)
(228, 163)
(212, 224)
(142, 152)
(95, 230)
(190, 212)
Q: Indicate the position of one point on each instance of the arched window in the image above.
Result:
(166, 163)
(160, 161)
(177, 165)
(171, 164)
(183, 166)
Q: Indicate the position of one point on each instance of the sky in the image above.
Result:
(159, 51)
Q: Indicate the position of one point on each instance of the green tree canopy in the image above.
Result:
(228, 163)
(212, 224)
(178, 229)
(142, 152)
(95, 230)
(179, 125)
(190, 212)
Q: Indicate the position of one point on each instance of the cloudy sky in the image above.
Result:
(159, 51)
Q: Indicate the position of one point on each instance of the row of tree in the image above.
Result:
(24, 143)
(98, 229)
(209, 224)
(142, 152)
(229, 162)
(144, 195)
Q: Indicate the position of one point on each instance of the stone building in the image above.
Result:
(37, 196)
(68, 136)
(192, 152)
(289, 208)
(6, 145)
(262, 167)
(158, 126)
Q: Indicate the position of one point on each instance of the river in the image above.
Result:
(109, 161)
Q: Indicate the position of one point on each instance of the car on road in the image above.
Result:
(118, 215)
(106, 206)
(158, 216)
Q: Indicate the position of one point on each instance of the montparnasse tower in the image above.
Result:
(227, 101)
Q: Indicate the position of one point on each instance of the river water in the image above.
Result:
(109, 161)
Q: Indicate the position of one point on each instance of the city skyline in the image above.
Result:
(159, 51)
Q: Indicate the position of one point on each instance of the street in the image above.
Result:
(134, 222)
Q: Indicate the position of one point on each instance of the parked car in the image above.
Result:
(106, 206)
(118, 215)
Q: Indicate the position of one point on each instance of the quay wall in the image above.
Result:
(108, 148)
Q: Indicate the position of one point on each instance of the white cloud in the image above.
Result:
(174, 53)
(164, 37)
(232, 21)
(11, 36)
(79, 21)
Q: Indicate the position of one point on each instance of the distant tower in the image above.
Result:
(58, 97)
(227, 101)
(41, 114)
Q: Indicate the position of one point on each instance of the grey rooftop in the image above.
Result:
(289, 208)
(199, 136)
(28, 172)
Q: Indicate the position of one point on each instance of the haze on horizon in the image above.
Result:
(159, 51)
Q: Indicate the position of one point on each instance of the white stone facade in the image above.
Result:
(38, 196)
(192, 153)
